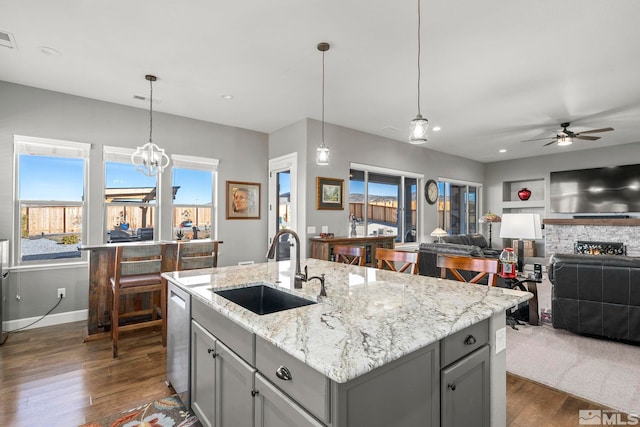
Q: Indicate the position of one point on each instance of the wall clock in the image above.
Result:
(431, 191)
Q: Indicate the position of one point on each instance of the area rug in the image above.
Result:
(598, 370)
(167, 412)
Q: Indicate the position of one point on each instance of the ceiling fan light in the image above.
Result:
(565, 140)
(418, 129)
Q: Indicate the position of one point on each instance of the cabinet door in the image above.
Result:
(464, 391)
(234, 383)
(203, 374)
(274, 409)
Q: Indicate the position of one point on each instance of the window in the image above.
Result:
(193, 181)
(50, 179)
(383, 202)
(458, 207)
(129, 198)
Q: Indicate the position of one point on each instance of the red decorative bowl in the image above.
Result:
(524, 194)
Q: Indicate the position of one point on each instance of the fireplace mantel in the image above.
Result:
(623, 222)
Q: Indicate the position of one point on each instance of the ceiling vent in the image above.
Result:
(7, 40)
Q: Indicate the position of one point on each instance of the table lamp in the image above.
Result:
(439, 232)
(489, 218)
(521, 226)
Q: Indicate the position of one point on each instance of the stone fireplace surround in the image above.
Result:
(562, 234)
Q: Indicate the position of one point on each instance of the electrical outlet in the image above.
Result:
(62, 292)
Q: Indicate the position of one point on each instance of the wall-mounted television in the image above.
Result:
(613, 189)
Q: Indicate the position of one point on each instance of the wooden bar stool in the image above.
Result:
(197, 254)
(137, 271)
(484, 267)
(347, 254)
(388, 257)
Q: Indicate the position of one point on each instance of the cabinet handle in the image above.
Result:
(283, 373)
(452, 387)
(470, 340)
(212, 352)
(254, 393)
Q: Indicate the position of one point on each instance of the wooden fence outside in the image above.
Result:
(387, 212)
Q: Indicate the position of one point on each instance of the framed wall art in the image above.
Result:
(243, 200)
(329, 193)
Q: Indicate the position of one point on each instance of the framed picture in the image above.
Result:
(243, 200)
(329, 193)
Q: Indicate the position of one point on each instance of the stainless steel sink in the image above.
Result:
(262, 299)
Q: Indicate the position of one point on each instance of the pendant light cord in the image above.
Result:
(419, 58)
(150, 108)
(323, 97)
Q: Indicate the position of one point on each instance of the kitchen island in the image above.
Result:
(378, 350)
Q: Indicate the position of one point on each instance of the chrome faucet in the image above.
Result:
(299, 277)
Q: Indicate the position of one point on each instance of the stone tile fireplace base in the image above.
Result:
(561, 235)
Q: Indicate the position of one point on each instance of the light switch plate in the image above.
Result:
(311, 230)
(325, 228)
(501, 340)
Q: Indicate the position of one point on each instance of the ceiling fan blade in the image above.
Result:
(587, 138)
(595, 131)
(540, 139)
(549, 143)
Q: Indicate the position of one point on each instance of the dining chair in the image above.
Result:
(348, 254)
(197, 254)
(137, 272)
(387, 259)
(484, 267)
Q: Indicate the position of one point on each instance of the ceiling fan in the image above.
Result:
(566, 137)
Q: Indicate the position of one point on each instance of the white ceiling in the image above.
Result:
(494, 72)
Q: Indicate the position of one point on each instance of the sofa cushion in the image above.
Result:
(452, 249)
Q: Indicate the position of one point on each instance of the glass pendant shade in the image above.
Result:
(322, 155)
(418, 128)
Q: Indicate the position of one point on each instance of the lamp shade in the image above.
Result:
(521, 226)
(490, 217)
(438, 232)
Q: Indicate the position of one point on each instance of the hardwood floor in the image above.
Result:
(50, 377)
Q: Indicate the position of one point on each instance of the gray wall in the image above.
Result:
(349, 145)
(40, 113)
(542, 166)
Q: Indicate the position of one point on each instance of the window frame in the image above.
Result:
(402, 202)
(442, 199)
(123, 155)
(48, 147)
(203, 164)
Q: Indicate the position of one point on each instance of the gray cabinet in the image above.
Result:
(221, 382)
(464, 378)
(178, 342)
(273, 408)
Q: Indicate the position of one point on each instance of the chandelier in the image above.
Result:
(150, 159)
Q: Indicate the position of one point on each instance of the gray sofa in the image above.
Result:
(597, 295)
(474, 245)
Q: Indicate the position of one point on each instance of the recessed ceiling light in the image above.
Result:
(437, 128)
(503, 150)
(226, 96)
(49, 51)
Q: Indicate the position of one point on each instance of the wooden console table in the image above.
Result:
(322, 247)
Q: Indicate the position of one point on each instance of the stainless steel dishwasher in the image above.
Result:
(179, 342)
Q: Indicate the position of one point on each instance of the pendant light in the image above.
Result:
(322, 152)
(419, 125)
(150, 159)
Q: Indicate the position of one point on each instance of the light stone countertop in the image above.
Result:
(369, 318)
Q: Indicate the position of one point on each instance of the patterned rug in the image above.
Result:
(167, 412)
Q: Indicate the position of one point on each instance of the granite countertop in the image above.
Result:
(369, 318)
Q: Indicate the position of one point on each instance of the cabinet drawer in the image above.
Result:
(464, 342)
(233, 335)
(308, 387)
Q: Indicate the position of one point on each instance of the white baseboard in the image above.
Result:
(49, 320)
